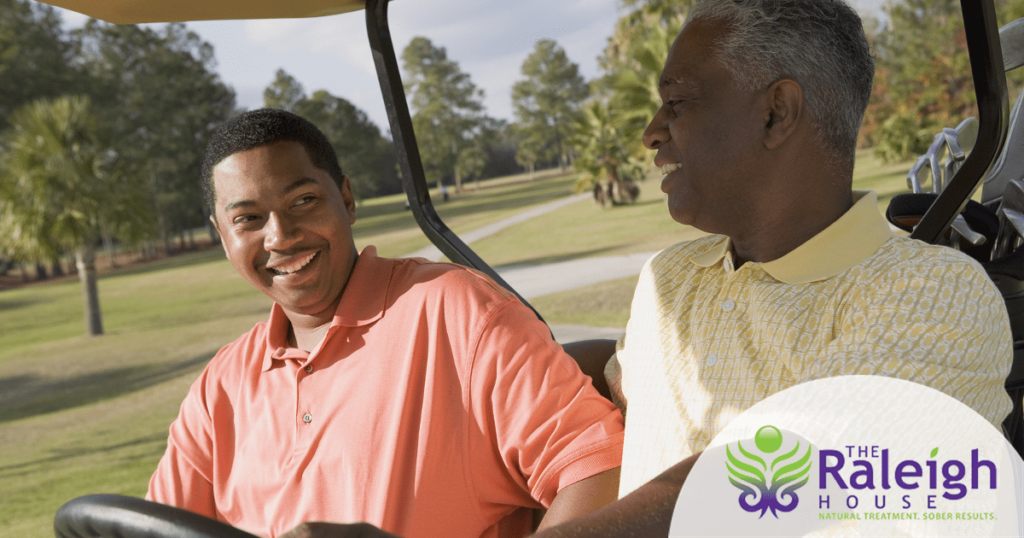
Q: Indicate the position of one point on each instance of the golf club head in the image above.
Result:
(918, 175)
(1011, 219)
(1011, 39)
(1011, 232)
(962, 231)
(927, 166)
(1013, 196)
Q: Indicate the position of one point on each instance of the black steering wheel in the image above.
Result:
(118, 516)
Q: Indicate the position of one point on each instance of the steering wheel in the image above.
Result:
(118, 516)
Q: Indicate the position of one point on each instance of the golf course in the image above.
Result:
(81, 415)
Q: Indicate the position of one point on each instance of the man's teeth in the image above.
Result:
(289, 269)
(667, 169)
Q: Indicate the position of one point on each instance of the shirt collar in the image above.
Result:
(362, 302)
(845, 243)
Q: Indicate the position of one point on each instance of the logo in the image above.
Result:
(768, 486)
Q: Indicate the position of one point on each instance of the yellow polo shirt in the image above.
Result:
(705, 341)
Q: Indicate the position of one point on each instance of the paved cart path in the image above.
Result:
(538, 280)
(432, 253)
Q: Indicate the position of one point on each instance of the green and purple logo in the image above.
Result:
(768, 485)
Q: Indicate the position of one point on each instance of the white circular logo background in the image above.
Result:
(855, 456)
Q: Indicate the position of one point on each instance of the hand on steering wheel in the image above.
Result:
(118, 516)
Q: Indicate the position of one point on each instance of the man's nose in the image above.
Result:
(656, 132)
(280, 233)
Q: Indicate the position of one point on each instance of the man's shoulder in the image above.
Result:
(420, 276)
(903, 254)
(918, 267)
(244, 352)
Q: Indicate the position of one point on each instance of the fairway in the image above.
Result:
(85, 415)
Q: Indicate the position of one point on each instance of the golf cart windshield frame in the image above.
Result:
(414, 181)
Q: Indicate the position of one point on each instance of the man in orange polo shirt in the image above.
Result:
(420, 397)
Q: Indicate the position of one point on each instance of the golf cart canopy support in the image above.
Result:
(987, 70)
(413, 179)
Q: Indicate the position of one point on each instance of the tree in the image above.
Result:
(471, 163)
(36, 56)
(448, 107)
(284, 92)
(159, 98)
(62, 188)
(547, 101)
(365, 156)
(633, 85)
(603, 156)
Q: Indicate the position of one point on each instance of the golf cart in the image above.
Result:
(104, 515)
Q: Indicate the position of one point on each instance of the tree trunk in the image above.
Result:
(212, 230)
(191, 239)
(531, 170)
(85, 259)
(55, 268)
(108, 245)
(41, 271)
(458, 181)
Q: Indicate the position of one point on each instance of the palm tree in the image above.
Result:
(634, 87)
(61, 187)
(603, 156)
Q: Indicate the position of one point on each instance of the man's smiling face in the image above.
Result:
(286, 226)
(707, 133)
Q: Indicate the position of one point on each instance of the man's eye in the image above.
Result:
(305, 200)
(244, 219)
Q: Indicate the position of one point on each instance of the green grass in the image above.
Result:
(385, 223)
(83, 415)
(600, 305)
(88, 415)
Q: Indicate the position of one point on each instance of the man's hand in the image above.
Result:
(323, 529)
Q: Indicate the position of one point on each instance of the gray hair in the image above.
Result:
(818, 43)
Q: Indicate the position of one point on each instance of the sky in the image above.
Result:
(489, 39)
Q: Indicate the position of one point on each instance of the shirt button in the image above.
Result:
(308, 368)
(712, 359)
(728, 305)
(307, 418)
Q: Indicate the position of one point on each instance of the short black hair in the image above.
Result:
(261, 127)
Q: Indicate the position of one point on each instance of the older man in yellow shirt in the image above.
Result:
(801, 278)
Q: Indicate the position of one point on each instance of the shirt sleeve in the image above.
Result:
(548, 425)
(613, 377)
(944, 327)
(184, 476)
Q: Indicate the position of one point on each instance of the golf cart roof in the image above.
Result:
(143, 11)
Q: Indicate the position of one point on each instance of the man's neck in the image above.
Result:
(305, 332)
(789, 224)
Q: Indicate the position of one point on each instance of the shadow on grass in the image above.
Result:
(11, 304)
(26, 396)
(174, 262)
(555, 258)
(62, 454)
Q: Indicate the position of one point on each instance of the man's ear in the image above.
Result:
(784, 113)
(213, 219)
(349, 198)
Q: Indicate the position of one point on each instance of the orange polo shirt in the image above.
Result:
(436, 405)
